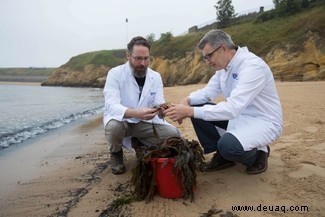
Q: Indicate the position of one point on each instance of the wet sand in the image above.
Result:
(67, 172)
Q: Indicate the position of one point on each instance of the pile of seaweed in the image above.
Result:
(188, 159)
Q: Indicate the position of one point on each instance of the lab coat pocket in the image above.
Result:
(151, 99)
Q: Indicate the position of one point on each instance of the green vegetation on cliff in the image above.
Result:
(176, 47)
(107, 58)
(26, 71)
(30, 74)
(293, 46)
(262, 37)
(259, 37)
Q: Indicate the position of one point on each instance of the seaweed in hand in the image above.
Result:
(160, 107)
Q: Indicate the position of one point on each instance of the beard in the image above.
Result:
(139, 70)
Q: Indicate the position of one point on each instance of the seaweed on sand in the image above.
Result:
(188, 159)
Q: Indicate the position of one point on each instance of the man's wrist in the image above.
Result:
(190, 112)
(186, 101)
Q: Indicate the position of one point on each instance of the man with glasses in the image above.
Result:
(133, 93)
(240, 128)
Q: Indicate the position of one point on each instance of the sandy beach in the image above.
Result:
(66, 172)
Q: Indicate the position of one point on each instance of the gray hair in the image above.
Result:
(216, 38)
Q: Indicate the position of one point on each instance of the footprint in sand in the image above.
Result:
(285, 141)
(320, 148)
(290, 138)
(311, 129)
(307, 169)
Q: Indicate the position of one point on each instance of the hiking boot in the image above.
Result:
(218, 163)
(117, 162)
(136, 145)
(260, 164)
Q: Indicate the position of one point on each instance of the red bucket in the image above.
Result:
(168, 181)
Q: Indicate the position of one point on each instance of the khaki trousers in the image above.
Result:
(115, 131)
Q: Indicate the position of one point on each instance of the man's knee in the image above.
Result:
(168, 132)
(229, 146)
(114, 128)
(173, 132)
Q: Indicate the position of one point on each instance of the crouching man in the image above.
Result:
(251, 114)
(132, 93)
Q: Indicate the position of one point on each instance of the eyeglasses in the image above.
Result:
(209, 55)
(139, 59)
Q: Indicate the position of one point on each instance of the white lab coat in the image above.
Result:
(121, 92)
(251, 104)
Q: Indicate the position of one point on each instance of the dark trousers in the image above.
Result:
(227, 145)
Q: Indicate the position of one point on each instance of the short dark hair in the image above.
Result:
(138, 40)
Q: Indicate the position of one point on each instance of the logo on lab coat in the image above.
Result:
(235, 76)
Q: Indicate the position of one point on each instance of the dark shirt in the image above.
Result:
(140, 82)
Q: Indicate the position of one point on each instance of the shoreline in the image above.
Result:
(20, 83)
(44, 154)
(30, 83)
(71, 172)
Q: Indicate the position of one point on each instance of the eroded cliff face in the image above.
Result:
(305, 62)
(189, 70)
(89, 76)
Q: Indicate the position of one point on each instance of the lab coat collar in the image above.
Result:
(147, 85)
(234, 61)
(130, 73)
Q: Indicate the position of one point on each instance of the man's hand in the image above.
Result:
(147, 113)
(179, 112)
(141, 113)
(162, 108)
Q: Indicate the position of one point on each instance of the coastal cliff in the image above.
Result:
(86, 70)
(89, 76)
(293, 47)
(305, 62)
(288, 63)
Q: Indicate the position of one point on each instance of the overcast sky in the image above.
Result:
(47, 33)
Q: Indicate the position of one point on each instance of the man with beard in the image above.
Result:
(133, 94)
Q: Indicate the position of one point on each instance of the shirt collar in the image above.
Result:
(233, 60)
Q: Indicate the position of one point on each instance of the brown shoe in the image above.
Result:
(260, 164)
(218, 163)
(117, 163)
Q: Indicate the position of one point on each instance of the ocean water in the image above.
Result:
(28, 111)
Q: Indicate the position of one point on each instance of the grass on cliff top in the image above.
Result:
(258, 37)
(262, 37)
(177, 46)
(108, 58)
(26, 71)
